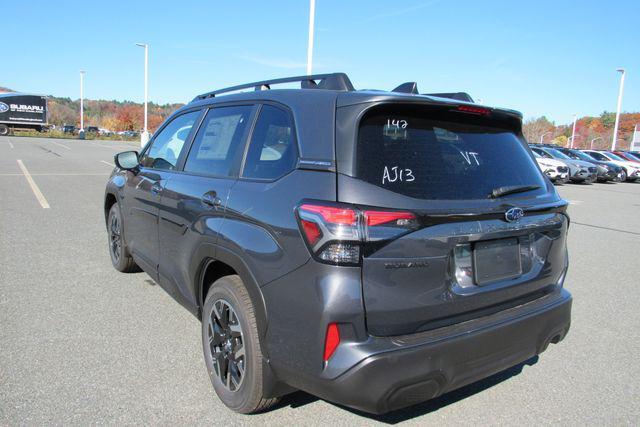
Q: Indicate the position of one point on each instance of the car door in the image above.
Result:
(144, 187)
(194, 200)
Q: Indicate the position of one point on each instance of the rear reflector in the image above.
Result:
(331, 341)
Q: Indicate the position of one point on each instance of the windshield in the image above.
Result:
(557, 154)
(614, 157)
(441, 155)
(580, 155)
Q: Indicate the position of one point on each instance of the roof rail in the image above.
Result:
(333, 81)
(459, 96)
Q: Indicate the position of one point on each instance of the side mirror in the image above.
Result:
(127, 160)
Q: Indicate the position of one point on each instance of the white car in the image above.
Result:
(631, 170)
(556, 170)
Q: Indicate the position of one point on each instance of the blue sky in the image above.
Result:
(552, 58)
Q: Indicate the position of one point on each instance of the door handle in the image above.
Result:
(210, 199)
(156, 188)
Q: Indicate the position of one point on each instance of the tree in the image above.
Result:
(533, 129)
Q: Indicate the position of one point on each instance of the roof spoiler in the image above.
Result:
(333, 81)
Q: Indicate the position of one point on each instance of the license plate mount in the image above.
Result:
(495, 260)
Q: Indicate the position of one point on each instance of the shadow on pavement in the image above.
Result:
(300, 398)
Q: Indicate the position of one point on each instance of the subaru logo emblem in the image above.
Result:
(3, 107)
(513, 214)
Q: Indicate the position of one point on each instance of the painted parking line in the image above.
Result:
(61, 145)
(108, 164)
(56, 174)
(10, 143)
(34, 187)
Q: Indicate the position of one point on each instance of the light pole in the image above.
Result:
(312, 16)
(615, 127)
(144, 137)
(542, 136)
(81, 133)
(595, 139)
(570, 142)
(573, 132)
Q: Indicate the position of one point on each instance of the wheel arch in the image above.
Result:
(224, 263)
(110, 199)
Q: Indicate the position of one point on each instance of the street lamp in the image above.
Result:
(615, 127)
(595, 139)
(312, 16)
(542, 136)
(144, 137)
(573, 132)
(81, 133)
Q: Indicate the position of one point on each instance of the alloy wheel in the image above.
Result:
(115, 237)
(227, 345)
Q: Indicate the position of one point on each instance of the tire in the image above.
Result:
(4, 130)
(623, 175)
(236, 374)
(120, 256)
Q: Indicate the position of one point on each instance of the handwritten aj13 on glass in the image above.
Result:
(395, 173)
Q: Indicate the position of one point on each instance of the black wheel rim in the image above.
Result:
(227, 345)
(115, 237)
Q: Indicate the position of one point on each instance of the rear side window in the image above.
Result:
(435, 154)
(219, 141)
(272, 152)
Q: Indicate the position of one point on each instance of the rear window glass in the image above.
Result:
(426, 153)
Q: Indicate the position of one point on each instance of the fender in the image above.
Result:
(208, 253)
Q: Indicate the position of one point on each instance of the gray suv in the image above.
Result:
(376, 249)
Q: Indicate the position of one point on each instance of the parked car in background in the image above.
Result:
(92, 129)
(607, 171)
(69, 129)
(556, 170)
(326, 247)
(579, 170)
(627, 156)
(630, 170)
(105, 132)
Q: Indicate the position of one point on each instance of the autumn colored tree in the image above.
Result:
(533, 129)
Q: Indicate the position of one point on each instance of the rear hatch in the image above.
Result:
(488, 229)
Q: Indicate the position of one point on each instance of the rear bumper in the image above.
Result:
(402, 371)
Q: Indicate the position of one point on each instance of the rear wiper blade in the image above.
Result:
(512, 189)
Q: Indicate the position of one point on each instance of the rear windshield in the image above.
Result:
(433, 154)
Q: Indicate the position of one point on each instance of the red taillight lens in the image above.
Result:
(331, 341)
(311, 231)
(332, 214)
(391, 218)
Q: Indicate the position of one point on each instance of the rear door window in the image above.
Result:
(446, 155)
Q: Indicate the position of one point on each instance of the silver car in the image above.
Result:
(579, 171)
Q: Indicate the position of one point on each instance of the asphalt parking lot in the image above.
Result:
(83, 344)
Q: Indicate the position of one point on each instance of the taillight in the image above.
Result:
(331, 341)
(335, 234)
